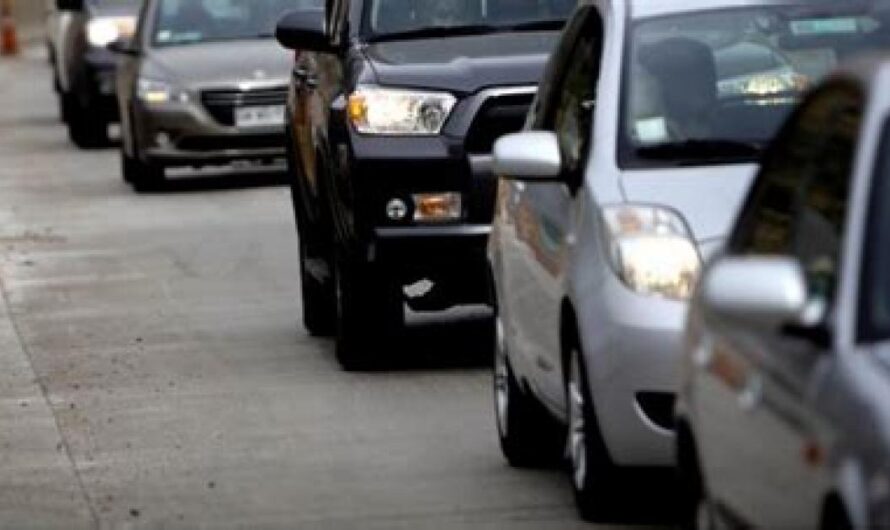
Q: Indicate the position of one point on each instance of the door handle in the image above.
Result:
(750, 396)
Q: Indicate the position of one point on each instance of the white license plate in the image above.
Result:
(259, 116)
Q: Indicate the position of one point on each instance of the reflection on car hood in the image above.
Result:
(463, 64)
(222, 63)
(709, 198)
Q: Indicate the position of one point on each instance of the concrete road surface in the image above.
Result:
(153, 373)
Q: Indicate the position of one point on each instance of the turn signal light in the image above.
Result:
(437, 207)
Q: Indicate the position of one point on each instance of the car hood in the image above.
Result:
(708, 198)
(463, 64)
(237, 62)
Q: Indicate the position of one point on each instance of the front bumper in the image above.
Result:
(451, 253)
(186, 135)
(97, 87)
(633, 347)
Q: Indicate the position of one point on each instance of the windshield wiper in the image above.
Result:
(430, 32)
(701, 150)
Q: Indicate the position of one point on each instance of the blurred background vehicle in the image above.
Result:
(639, 151)
(83, 69)
(393, 109)
(203, 83)
(783, 414)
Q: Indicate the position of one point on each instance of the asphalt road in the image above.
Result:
(153, 372)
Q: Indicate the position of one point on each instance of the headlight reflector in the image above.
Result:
(375, 110)
(156, 92)
(651, 250)
(103, 31)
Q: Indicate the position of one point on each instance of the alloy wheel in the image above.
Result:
(577, 439)
(501, 379)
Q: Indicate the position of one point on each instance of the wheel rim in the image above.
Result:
(577, 424)
(501, 379)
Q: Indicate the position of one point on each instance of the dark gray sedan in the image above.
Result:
(203, 83)
(784, 412)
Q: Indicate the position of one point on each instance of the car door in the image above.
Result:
(544, 210)
(761, 436)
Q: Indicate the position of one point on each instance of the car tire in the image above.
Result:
(87, 128)
(319, 299)
(592, 472)
(368, 310)
(143, 176)
(528, 436)
(696, 511)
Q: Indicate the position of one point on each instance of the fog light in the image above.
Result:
(396, 209)
(437, 207)
(163, 141)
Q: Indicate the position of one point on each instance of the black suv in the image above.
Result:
(393, 109)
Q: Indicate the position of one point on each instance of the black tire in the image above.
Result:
(141, 175)
(87, 127)
(528, 436)
(369, 309)
(695, 509)
(319, 299)
(593, 476)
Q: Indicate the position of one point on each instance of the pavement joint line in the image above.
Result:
(94, 514)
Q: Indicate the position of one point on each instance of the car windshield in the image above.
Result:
(197, 21)
(394, 19)
(714, 87)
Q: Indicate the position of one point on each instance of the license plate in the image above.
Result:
(259, 116)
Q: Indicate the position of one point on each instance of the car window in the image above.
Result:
(194, 21)
(385, 17)
(715, 86)
(571, 113)
(799, 203)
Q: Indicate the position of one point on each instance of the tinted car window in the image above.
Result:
(195, 21)
(799, 204)
(705, 88)
(397, 16)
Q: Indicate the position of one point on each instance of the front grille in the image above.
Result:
(231, 143)
(498, 116)
(221, 104)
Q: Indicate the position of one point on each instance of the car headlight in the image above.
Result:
(374, 110)
(651, 250)
(154, 91)
(103, 31)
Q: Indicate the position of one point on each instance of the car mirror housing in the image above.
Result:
(530, 155)
(304, 29)
(69, 5)
(765, 291)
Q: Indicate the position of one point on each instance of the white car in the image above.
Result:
(639, 149)
(784, 409)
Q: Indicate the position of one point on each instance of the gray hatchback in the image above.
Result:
(202, 83)
(784, 412)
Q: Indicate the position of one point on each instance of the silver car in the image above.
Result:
(203, 83)
(640, 148)
(785, 403)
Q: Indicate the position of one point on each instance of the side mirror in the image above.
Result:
(770, 292)
(69, 5)
(304, 29)
(123, 46)
(530, 155)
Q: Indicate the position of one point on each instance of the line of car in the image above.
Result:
(682, 246)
